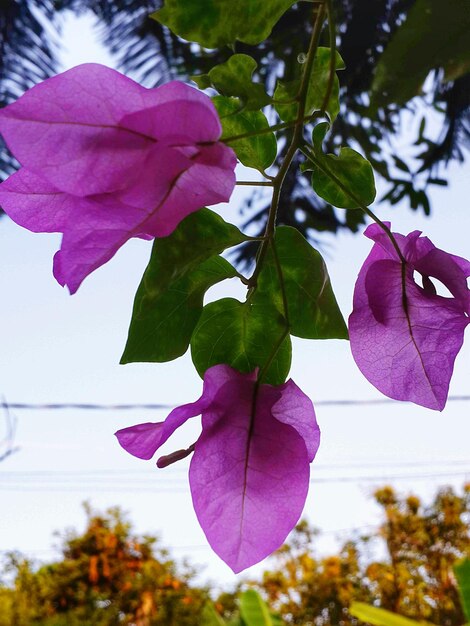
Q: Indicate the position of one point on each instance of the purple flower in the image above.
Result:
(404, 337)
(249, 474)
(105, 159)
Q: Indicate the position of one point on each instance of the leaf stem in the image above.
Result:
(321, 166)
(271, 129)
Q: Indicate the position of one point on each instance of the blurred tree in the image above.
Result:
(106, 576)
(365, 29)
(415, 579)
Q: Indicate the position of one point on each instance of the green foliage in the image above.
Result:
(317, 89)
(345, 181)
(210, 617)
(234, 78)
(106, 576)
(414, 578)
(462, 573)
(312, 307)
(242, 335)
(254, 610)
(258, 151)
(381, 617)
(169, 299)
(215, 23)
(434, 35)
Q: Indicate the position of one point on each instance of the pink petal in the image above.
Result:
(101, 224)
(66, 129)
(296, 409)
(105, 159)
(34, 203)
(408, 352)
(249, 477)
(143, 440)
(182, 113)
(209, 180)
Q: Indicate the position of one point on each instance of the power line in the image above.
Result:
(168, 472)
(180, 486)
(53, 406)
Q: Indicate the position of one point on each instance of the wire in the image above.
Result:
(151, 407)
(179, 486)
(172, 474)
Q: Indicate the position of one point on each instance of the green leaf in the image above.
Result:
(254, 610)
(317, 89)
(345, 181)
(234, 78)
(243, 336)
(312, 307)
(435, 34)
(258, 151)
(210, 617)
(381, 617)
(215, 23)
(169, 299)
(462, 573)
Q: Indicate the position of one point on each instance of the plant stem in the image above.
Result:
(296, 142)
(332, 36)
(255, 183)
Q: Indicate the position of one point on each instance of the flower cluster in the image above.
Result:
(249, 474)
(405, 337)
(104, 159)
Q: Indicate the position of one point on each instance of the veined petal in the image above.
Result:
(209, 179)
(405, 338)
(249, 477)
(178, 112)
(143, 440)
(105, 159)
(66, 130)
(296, 409)
(34, 203)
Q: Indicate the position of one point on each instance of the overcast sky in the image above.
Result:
(58, 348)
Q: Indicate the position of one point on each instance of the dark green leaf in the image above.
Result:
(312, 307)
(435, 34)
(234, 78)
(254, 610)
(462, 573)
(345, 181)
(215, 23)
(243, 335)
(258, 151)
(318, 85)
(163, 320)
(169, 299)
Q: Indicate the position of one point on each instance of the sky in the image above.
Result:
(57, 348)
